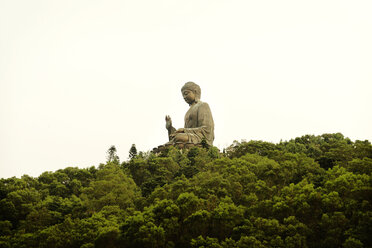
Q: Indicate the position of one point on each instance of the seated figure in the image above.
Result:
(199, 123)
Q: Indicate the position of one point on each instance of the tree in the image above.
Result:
(133, 151)
(313, 191)
(111, 155)
(112, 187)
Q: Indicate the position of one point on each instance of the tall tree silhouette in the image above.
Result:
(112, 156)
(133, 151)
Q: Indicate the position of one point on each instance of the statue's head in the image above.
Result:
(194, 88)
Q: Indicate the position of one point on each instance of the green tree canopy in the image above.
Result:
(310, 191)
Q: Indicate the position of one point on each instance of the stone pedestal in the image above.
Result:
(179, 145)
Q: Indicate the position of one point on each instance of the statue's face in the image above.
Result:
(189, 96)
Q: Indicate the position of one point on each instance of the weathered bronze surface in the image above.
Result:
(199, 123)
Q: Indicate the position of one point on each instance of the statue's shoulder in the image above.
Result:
(203, 106)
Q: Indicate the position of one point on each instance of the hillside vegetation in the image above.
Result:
(312, 191)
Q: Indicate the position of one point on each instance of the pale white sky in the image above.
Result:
(79, 76)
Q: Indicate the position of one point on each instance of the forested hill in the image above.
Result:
(312, 191)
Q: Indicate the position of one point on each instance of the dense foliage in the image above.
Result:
(313, 191)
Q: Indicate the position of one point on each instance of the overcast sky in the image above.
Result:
(79, 76)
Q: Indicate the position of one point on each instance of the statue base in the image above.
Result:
(178, 145)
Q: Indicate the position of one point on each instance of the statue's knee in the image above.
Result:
(181, 137)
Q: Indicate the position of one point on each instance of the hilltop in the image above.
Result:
(311, 191)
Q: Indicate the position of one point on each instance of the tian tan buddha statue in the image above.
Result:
(199, 123)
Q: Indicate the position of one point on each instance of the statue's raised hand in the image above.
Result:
(168, 122)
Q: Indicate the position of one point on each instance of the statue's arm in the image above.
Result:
(171, 133)
(169, 127)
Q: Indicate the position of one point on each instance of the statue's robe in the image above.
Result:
(199, 123)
